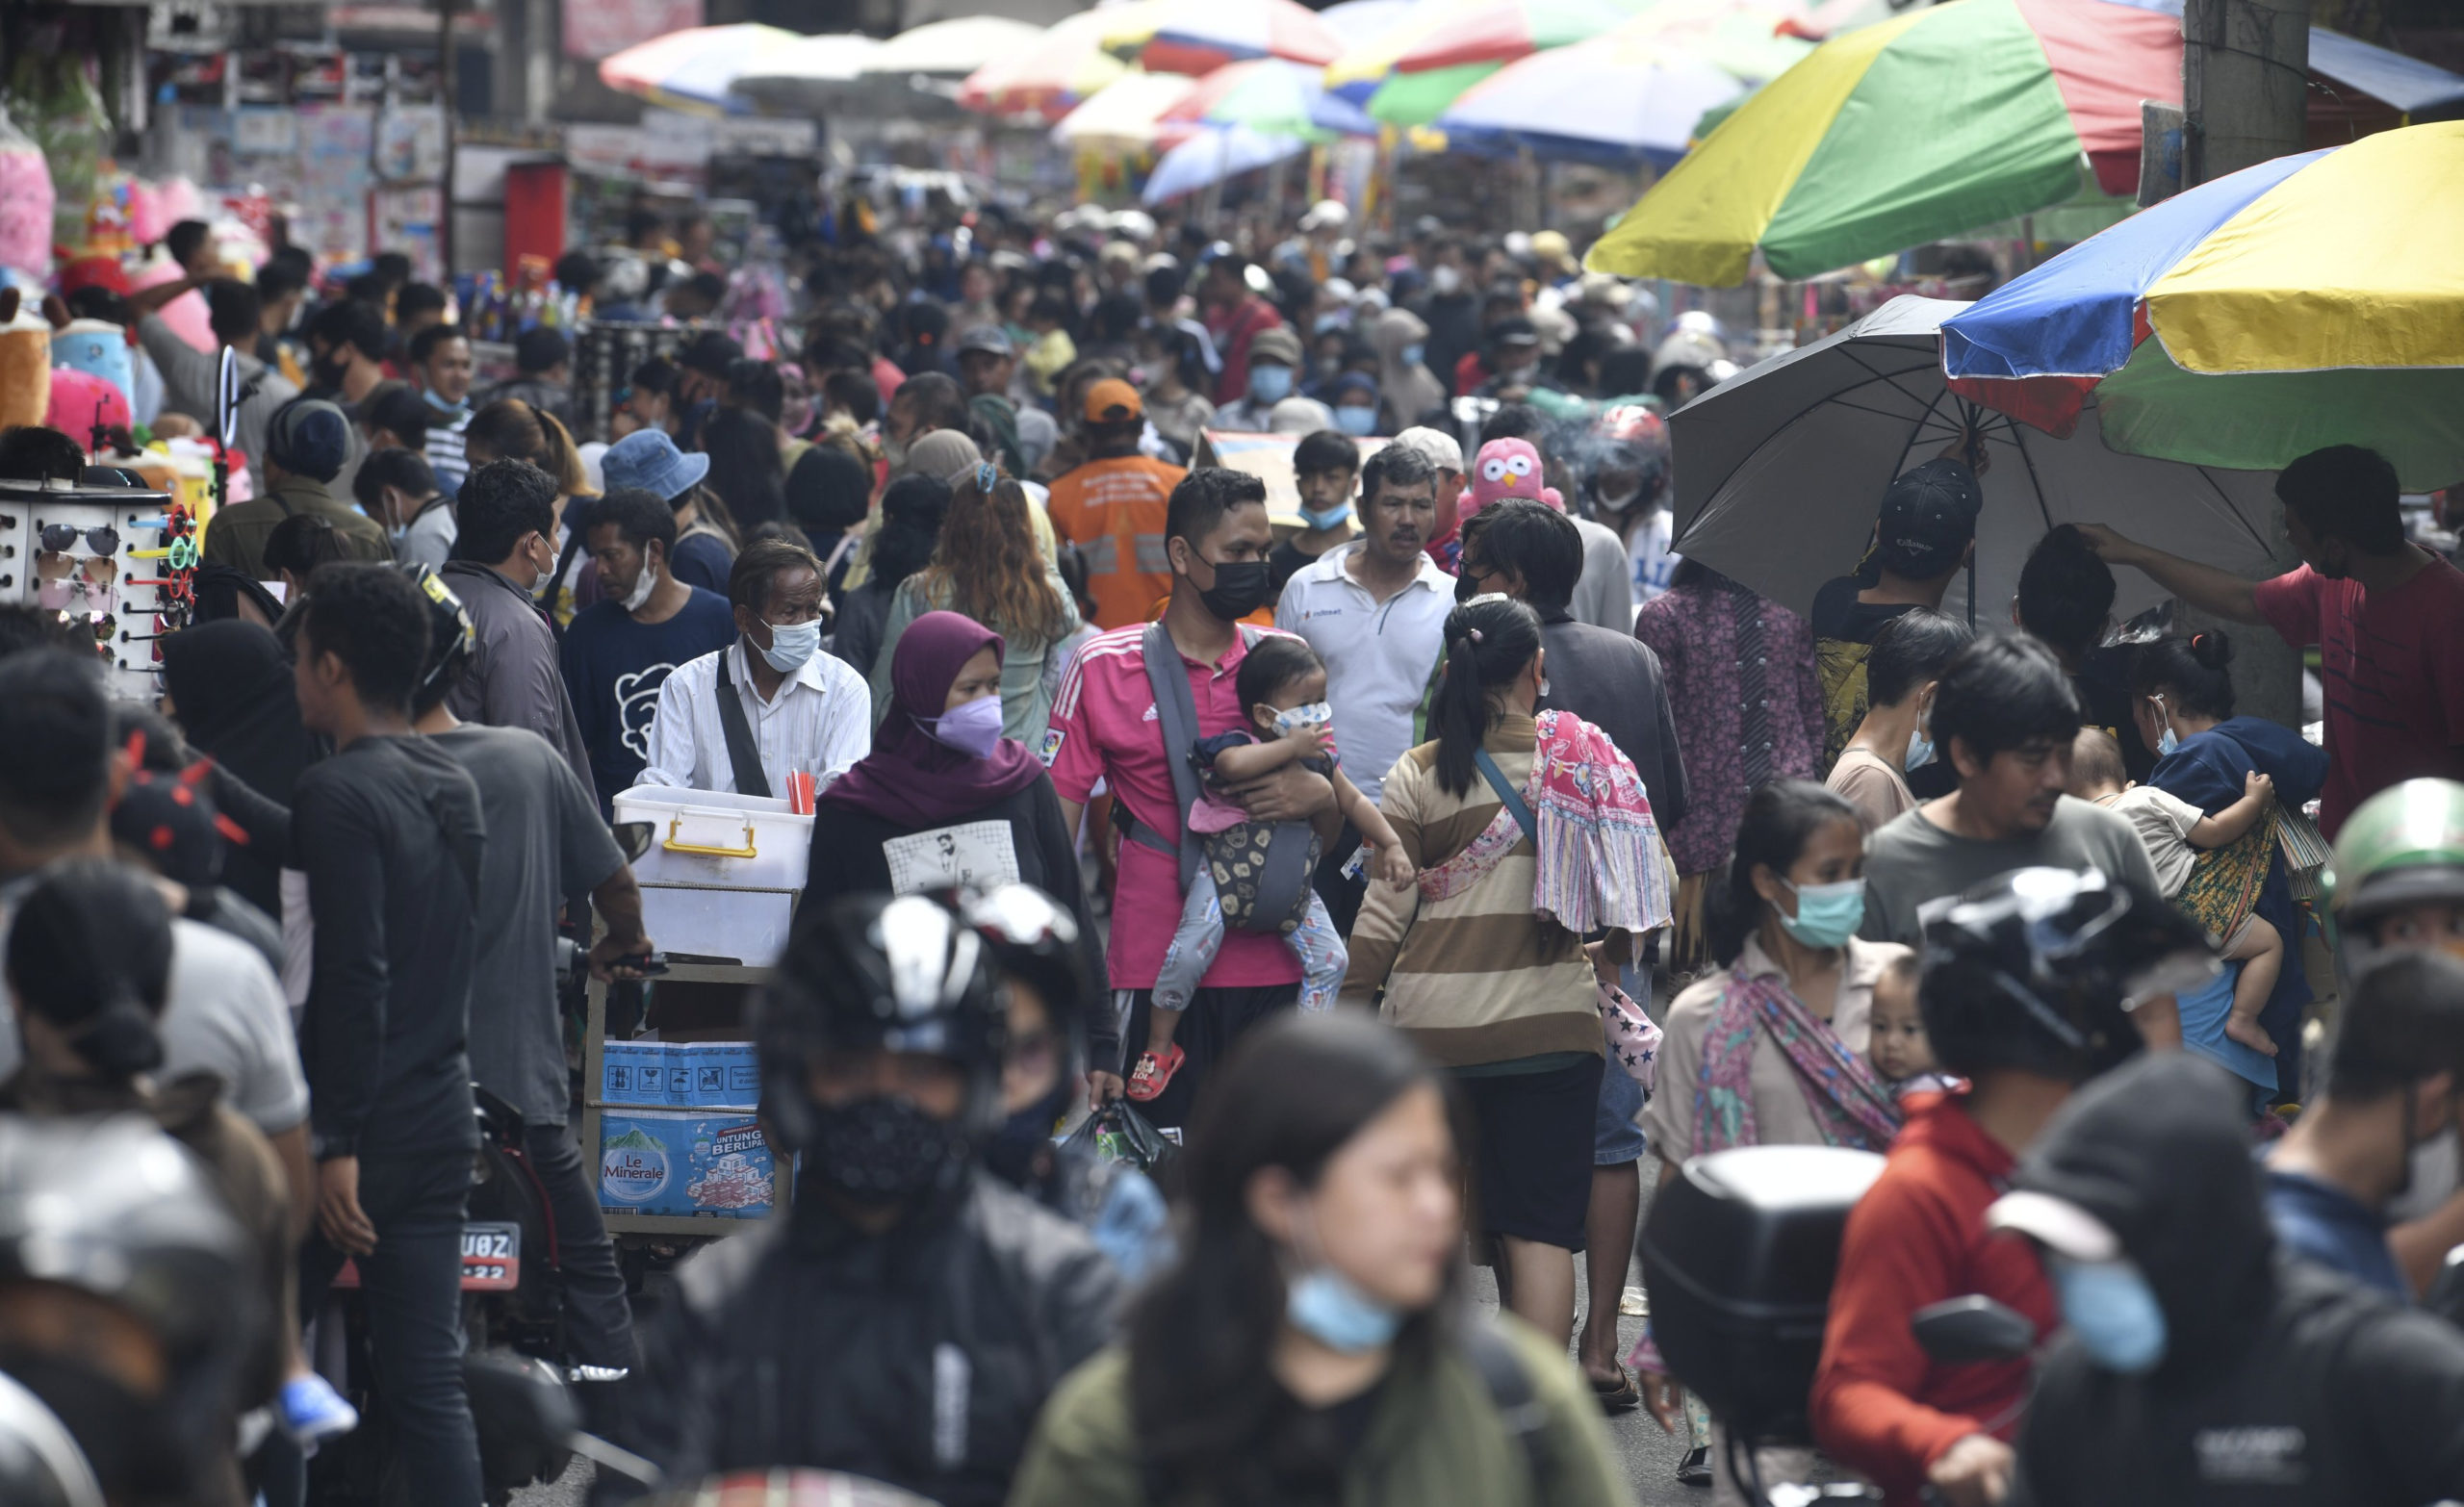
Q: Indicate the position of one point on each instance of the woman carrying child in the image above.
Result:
(1283, 684)
(2183, 706)
(1528, 831)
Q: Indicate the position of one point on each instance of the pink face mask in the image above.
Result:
(972, 727)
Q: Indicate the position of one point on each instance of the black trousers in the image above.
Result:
(598, 1322)
(1213, 1022)
(1342, 892)
(412, 1286)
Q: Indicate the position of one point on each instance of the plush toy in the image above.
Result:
(1507, 469)
(79, 401)
(25, 358)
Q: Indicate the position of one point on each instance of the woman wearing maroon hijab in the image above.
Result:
(944, 800)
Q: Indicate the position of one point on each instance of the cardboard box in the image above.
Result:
(650, 1074)
(724, 1075)
(664, 1162)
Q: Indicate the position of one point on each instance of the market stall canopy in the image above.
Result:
(1357, 22)
(1125, 115)
(1781, 469)
(1904, 132)
(1213, 155)
(1502, 31)
(809, 72)
(2312, 301)
(954, 48)
(693, 69)
(1066, 65)
(1201, 36)
(1365, 64)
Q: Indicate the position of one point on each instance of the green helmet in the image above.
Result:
(2401, 846)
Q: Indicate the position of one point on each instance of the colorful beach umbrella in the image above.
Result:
(1613, 98)
(1505, 30)
(1213, 155)
(1066, 65)
(1267, 94)
(1200, 35)
(693, 69)
(809, 73)
(2311, 300)
(1124, 116)
(1364, 64)
(1356, 21)
(1909, 131)
(953, 48)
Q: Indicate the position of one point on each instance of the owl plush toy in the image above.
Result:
(1507, 469)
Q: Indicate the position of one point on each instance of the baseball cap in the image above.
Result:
(990, 339)
(309, 437)
(1436, 446)
(1113, 400)
(1516, 331)
(1278, 345)
(1928, 517)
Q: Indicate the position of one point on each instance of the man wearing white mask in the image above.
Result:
(398, 488)
(503, 546)
(621, 649)
(751, 717)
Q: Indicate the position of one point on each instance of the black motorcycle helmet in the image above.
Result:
(451, 639)
(118, 1211)
(1034, 938)
(2039, 968)
(873, 973)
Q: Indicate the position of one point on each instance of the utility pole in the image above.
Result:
(2246, 68)
(448, 86)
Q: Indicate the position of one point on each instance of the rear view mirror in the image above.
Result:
(1965, 1330)
(633, 840)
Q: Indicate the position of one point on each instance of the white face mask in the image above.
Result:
(643, 585)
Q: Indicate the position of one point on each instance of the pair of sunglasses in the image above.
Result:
(55, 566)
(61, 538)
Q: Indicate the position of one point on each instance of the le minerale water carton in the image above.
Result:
(652, 1074)
(658, 1161)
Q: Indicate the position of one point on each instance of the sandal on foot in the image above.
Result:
(1695, 1469)
(1623, 1397)
(1154, 1074)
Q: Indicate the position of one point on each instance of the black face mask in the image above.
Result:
(885, 1151)
(132, 1446)
(1465, 587)
(327, 370)
(1240, 588)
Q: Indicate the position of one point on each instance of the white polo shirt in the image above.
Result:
(1379, 654)
(821, 721)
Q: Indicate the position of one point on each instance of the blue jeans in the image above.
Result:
(412, 1287)
(1200, 936)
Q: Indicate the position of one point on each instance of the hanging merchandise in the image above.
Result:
(52, 99)
(25, 360)
(25, 202)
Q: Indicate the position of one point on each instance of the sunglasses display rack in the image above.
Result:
(120, 561)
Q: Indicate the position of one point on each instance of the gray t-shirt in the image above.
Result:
(545, 841)
(225, 1016)
(1910, 860)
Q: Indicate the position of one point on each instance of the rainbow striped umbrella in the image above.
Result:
(1921, 127)
(2312, 301)
(693, 69)
(1269, 95)
(1202, 35)
(1502, 31)
(1063, 67)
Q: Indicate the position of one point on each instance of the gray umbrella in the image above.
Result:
(1780, 471)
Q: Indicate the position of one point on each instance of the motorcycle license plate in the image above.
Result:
(491, 1257)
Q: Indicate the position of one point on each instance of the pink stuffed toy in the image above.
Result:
(1507, 469)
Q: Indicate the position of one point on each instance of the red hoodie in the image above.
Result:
(1880, 1405)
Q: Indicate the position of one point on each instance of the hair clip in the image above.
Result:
(1475, 635)
(987, 477)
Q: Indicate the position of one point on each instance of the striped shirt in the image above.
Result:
(444, 451)
(822, 720)
(1474, 978)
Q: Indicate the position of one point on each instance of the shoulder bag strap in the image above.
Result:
(1176, 719)
(743, 756)
(1506, 793)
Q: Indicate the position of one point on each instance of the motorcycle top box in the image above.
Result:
(1738, 1254)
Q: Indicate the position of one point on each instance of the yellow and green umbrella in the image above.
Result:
(2312, 301)
(1921, 127)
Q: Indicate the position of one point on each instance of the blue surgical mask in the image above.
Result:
(1920, 752)
(1827, 914)
(1326, 1307)
(1309, 714)
(972, 727)
(791, 645)
(1356, 421)
(1326, 518)
(1269, 384)
(2166, 745)
(2109, 1304)
(1411, 355)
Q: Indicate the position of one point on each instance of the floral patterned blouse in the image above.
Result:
(1740, 674)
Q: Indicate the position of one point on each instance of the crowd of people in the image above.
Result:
(1442, 865)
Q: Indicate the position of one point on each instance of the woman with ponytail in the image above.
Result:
(88, 970)
(1528, 832)
(2182, 704)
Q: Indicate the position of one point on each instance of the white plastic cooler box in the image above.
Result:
(722, 873)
